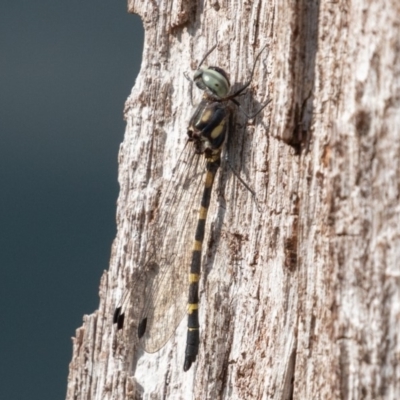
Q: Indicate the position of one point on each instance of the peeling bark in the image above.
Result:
(302, 300)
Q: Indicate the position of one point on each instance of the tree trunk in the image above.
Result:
(301, 298)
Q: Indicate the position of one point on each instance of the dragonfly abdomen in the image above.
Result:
(193, 335)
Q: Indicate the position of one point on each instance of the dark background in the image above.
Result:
(66, 69)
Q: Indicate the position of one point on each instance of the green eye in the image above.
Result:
(213, 80)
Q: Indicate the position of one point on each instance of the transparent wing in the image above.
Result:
(165, 278)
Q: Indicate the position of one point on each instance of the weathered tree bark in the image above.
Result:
(302, 299)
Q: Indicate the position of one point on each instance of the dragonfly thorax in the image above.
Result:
(208, 126)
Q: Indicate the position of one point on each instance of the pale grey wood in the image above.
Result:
(302, 299)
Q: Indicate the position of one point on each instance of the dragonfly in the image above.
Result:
(163, 293)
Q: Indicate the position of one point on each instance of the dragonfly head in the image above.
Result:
(213, 80)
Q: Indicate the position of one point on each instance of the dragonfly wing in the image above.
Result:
(168, 262)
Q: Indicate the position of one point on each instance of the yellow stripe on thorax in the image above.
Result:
(218, 130)
(206, 116)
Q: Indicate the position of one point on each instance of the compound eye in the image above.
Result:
(198, 79)
(213, 80)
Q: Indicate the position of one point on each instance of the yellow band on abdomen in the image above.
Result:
(194, 278)
(192, 307)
